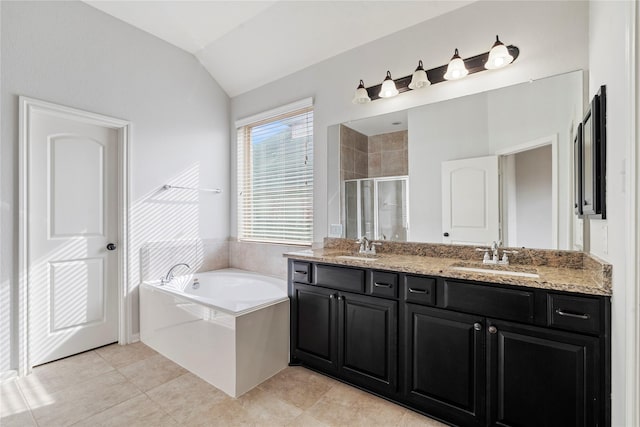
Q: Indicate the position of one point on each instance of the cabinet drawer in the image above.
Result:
(574, 313)
(420, 290)
(383, 284)
(342, 278)
(301, 272)
(501, 303)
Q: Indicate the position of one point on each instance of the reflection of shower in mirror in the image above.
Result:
(377, 208)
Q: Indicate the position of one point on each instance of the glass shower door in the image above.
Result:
(392, 210)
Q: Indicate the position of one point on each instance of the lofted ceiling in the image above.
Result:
(246, 44)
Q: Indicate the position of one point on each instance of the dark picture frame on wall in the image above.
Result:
(593, 164)
(577, 171)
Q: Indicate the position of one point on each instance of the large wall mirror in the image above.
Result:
(496, 165)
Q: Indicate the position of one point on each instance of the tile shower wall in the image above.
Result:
(374, 156)
(388, 154)
(354, 153)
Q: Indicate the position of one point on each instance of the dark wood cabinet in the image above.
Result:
(314, 326)
(467, 353)
(354, 336)
(542, 377)
(445, 364)
(368, 341)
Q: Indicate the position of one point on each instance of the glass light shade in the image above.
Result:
(498, 56)
(361, 96)
(456, 68)
(388, 88)
(419, 78)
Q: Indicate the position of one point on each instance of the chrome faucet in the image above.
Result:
(169, 277)
(367, 246)
(495, 254)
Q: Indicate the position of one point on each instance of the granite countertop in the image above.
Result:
(578, 272)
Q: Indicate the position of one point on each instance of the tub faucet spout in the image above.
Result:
(169, 277)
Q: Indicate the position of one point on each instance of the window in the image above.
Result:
(275, 175)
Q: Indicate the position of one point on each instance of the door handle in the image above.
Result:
(111, 247)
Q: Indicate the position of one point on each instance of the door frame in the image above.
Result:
(27, 107)
(555, 192)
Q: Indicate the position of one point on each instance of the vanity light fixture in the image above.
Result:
(456, 68)
(388, 88)
(361, 96)
(498, 56)
(419, 78)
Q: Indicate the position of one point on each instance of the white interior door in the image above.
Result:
(72, 183)
(471, 201)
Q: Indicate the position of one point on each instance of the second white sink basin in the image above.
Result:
(356, 258)
(497, 272)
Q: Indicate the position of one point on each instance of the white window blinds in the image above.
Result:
(275, 177)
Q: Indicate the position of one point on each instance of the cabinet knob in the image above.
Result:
(477, 326)
(332, 296)
(446, 234)
(341, 298)
(493, 329)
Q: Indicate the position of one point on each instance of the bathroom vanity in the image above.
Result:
(430, 327)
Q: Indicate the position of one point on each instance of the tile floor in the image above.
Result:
(135, 386)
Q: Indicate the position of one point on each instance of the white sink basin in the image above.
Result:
(356, 258)
(497, 272)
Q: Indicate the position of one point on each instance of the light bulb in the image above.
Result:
(361, 96)
(456, 69)
(499, 56)
(388, 88)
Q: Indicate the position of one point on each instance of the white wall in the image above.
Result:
(610, 25)
(72, 54)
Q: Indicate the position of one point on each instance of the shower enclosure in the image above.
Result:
(377, 208)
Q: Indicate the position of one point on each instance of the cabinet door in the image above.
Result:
(314, 326)
(541, 377)
(368, 341)
(445, 364)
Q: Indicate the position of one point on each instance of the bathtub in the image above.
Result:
(229, 327)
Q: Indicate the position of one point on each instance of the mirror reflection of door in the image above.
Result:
(527, 198)
(470, 201)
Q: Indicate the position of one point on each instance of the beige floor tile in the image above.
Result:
(58, 375)
(14, 411)
(223, 414)
(346, 405)
(80, 401)
(187, 395)
(137, 412)
(413, 419)
(119, 356)
(152, 372)
(306, 420)
(298, 386)
(266, 409)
